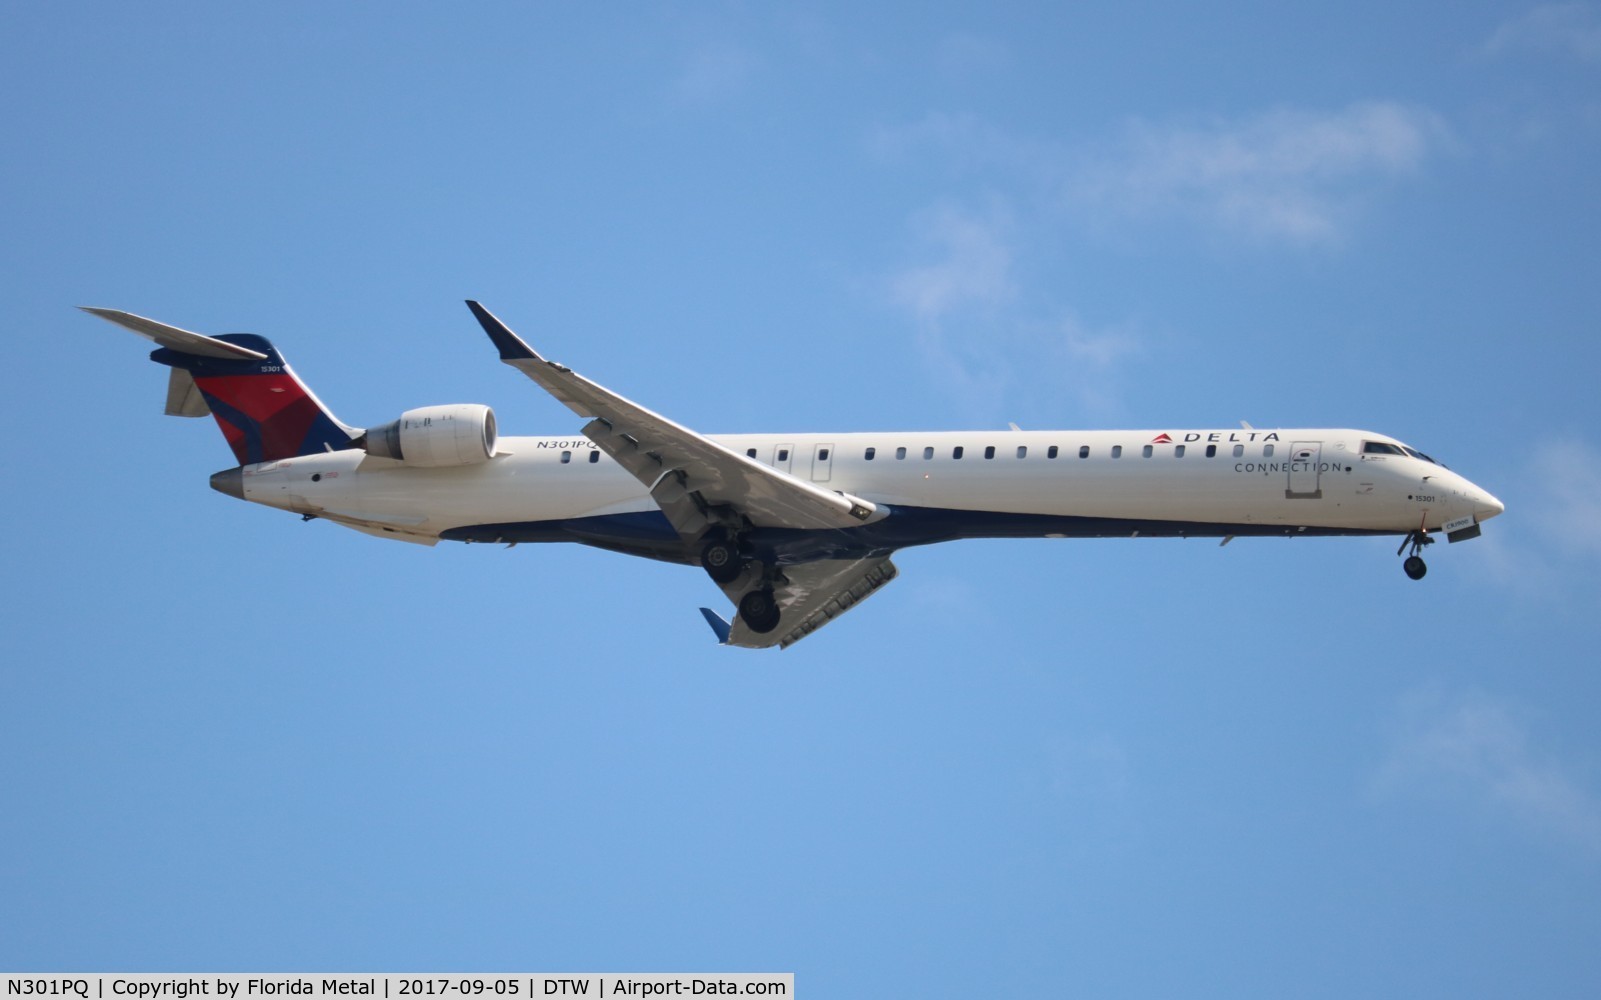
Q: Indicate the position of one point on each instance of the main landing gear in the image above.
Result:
(723, 561)
(1414, 565)
(759, 610)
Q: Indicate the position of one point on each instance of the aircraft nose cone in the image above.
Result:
(1487, 506)
(229, 481)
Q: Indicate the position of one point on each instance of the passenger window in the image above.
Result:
(870, 453)
(928, 453)
(1267, 451)
(750, 452)
(1239, 451)
(1211, 451)
(1050, 452)
(1117, 451)
(594, 456)
(1178, 451)
(989, 452)
(566, 457)
(956, 452)
(900, 453)
(1022, 451)
(1083, 451)
(1146, 451)
(783, 454)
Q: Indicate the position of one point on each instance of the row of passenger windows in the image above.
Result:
(1022, 452)
(1051, 452)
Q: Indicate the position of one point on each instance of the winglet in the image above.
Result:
(718, 625)
(510, 345)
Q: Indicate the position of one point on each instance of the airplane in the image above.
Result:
(796, 529)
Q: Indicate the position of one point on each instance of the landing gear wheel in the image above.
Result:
(1414, 565)
(759, 611)
(721, 560)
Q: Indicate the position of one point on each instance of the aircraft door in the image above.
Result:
(783, 456)
(822, 462)
(1306, 482)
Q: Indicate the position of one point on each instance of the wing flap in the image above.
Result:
(812, 595)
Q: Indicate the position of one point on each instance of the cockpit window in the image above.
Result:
(1381, 448)
(1418, 454)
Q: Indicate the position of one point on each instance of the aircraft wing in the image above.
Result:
(695, 480)
(811, 595)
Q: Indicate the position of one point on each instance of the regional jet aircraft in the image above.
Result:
(795, 528)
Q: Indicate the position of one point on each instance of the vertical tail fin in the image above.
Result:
(265, 411)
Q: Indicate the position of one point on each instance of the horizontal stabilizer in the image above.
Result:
(175, 339)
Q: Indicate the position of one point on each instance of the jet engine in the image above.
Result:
(434, 437)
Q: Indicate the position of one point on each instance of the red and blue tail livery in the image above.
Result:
(266, 413)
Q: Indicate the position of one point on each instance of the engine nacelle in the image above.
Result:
(434, 437)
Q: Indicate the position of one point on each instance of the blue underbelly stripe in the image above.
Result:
(648, 533)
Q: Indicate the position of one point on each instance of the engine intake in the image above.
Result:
(434, 437)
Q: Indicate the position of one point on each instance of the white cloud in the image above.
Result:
(1570, 28)
(966, 145)
(963, 54)
(715, 71)
(1090, 362)
(1288, 175)
(974, 329)
(969, 275)
(1547, 548)
(1569, 509)
(972, 265)
(1097, 349)
(1475, 747)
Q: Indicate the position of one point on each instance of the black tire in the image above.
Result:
(759, 611)
(721, 560)
(1415, 567)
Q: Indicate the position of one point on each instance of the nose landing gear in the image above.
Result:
(1414, 565)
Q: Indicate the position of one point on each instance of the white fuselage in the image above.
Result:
(934, 486)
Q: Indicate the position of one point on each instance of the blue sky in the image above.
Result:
(233, 741)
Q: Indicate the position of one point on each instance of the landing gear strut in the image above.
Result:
(1414, 565)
